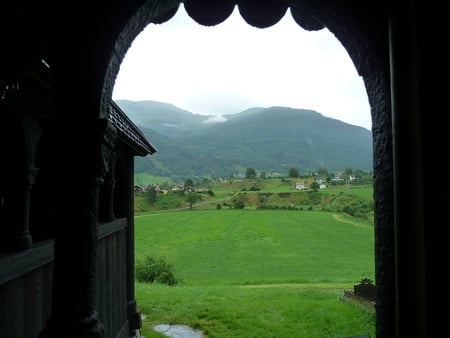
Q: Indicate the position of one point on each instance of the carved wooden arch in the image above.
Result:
(365, 40)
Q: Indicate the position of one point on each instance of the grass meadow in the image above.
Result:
(257, 273)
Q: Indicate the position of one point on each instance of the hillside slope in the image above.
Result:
(270, 139)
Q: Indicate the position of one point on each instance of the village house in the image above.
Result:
(300, 186)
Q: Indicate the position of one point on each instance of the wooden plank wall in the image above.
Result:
(26, 280)
(112, 282)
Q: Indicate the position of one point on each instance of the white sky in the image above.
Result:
(233, 66)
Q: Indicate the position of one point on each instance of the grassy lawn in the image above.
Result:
(282, 311)
(361, 191)
(257, 273)
(145, 179)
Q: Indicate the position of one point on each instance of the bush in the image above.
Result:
(239, 204)
(155, 270)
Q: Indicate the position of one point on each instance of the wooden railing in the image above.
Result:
(26, 280)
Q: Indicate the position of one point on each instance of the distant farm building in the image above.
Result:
(300, 186)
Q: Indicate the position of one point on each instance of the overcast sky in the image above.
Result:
(233, 66)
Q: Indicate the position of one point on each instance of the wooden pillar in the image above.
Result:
(17, 178)
(408, 174)
(134, 315)
(74, 308)
(24, 237)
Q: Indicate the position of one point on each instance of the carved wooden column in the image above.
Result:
(75, 268)
(24, 239)
(17, 178)
(134, 315)
(15, 212)
(106, 212)
(89, 325)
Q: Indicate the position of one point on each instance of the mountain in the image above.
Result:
(163, 117)
(267, 139)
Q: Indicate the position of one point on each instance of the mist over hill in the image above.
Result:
(270, 140)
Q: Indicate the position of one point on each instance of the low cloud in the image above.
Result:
(215, 119)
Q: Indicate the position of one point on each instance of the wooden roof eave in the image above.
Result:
(129, 132)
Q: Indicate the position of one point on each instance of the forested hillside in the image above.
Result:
(270, 140)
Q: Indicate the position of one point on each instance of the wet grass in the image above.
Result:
(243, 311)
(268, 273)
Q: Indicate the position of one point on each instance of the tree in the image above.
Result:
(314, 186)
(322, 171)
(188, 184)
(359, 173)
(239, 204)
(347, 173)
(191, 198)
(152, 195)
(250, 173)
(293, 172)
(262, 175)
(230, 178)
(206, 183)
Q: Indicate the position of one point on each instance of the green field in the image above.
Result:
(144, 179)
(257, 273)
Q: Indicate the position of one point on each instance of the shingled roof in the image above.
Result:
(129, 131)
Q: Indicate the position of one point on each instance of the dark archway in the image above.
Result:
(368, 49)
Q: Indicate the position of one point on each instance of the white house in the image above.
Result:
(300, 186)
